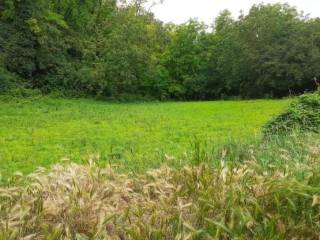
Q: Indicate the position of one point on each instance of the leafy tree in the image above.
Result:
(276, 51)
(186, 60)
(117, 49)
(226, 61)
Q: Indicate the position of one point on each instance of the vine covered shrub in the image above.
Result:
(302, 114)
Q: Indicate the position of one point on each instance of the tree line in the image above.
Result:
(119, 49)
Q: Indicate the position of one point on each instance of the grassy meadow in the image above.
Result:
(137, 136)
(187, 171)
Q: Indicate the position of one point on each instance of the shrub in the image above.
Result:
(302, 114)
(8, 81)
(12, 87)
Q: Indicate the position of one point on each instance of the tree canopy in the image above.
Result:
(119, 49)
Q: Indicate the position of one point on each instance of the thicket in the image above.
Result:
(119, 50)
(302, 114)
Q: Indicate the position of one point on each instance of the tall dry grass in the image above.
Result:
(246, 201)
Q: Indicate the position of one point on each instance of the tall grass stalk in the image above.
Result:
(253, 199)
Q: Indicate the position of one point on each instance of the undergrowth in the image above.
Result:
(302, 114)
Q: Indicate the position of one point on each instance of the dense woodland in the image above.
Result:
(119, 50)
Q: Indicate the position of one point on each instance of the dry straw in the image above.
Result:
(89, 202)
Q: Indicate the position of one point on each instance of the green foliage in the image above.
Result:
(11, 87)
(277, 51)
(107, 49)
(8, 81)
(185, 60)
(20, 52)
(302, 114)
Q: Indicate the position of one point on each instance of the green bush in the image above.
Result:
(8, 81)
(11, 87)
(22, 92)
(303, 114)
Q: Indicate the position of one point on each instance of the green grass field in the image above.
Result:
(136, 135)
(223, 172)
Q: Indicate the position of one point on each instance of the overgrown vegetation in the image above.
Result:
(118, 50)
(242, 200)
(303, 114)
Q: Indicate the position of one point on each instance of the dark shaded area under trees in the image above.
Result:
(104, 48)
